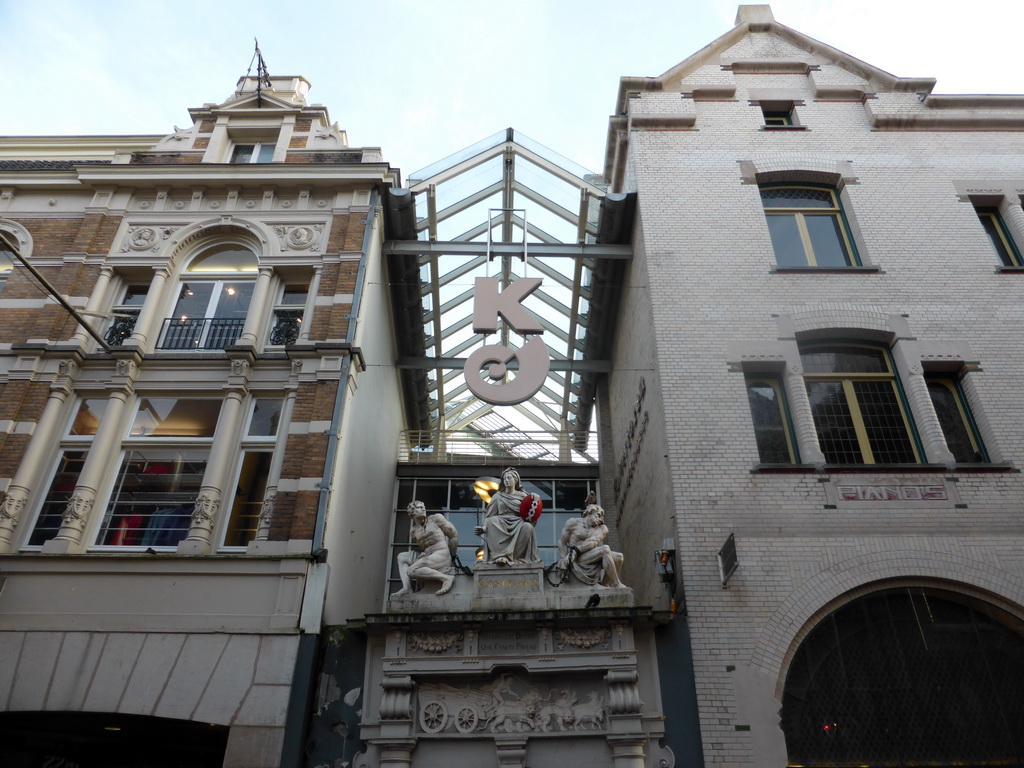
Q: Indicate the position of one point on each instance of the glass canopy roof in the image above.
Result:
(504, 207)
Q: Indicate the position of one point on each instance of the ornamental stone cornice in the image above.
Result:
(312, 174)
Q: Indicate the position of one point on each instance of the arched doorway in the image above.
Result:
(908, 676)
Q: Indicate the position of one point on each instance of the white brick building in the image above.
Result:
(817, 234)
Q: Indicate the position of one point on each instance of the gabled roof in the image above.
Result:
(803, 50)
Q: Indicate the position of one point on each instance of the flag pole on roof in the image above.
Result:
(262, 75)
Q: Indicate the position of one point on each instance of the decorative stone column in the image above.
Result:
(1013, 216)
(148, 315)
(274, 473)
(222, 454)
(928, 426)
(803, 417)
(97, 301)
(396, 741)
(256, 317)
(45, 435)
(314, 291)
(626, 736)
(105, 442)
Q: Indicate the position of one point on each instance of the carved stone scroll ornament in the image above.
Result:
(396, 703)
(623, 693)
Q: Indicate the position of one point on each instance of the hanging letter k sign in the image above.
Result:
(488, 302)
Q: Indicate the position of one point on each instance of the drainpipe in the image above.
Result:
(306, 660)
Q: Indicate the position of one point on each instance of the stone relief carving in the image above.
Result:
(12, 505)
(206, 509)
(146, 238)
(582, 638)
(301, 238)
(435, 642)
(508, 705)
(77, 508)
(438, 543)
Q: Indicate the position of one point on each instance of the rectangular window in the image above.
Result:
(778, 114)
(999, 236)
(288, 315)
(807, 227)
(857, 407)
(160, 473)
(958, 425)
(259, 152)
(775, 444)
(250, 487)
(125, 313)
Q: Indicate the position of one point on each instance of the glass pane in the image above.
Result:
(827, 241)
(153, 498)
(786, 241)
(61, 488)
(405, 494)
(248, 501)
(233, 300)
(832, 419)
(173, 417)
(266, 153)
(224, 258)
(266, 414)
(992, 229)
(294, 295)
(464, 497)
(769, 426)
(242, 153)
(193, 300)
(433, 494)
(884, 422)
(571, 494)
(796, 197)
(464, 523)
(955, 430)
(844, 360)
(87, 420)
(135, 295)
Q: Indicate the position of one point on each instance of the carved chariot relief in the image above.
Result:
(509, 705)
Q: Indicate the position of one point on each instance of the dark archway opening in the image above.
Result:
(908, 677)
(99, 740)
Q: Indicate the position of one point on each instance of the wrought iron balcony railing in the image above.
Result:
(200, 332)
(287, 324)
(122, 327)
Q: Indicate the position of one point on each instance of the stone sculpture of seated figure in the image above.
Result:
(508, 538)
(438, 542)
(584, 552)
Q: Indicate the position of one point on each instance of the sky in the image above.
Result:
(423, 79)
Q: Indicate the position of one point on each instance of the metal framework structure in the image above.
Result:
(505, 207)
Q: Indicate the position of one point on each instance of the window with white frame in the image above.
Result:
(124, 314)
(213, 300)
(255, 152)
(161, 471)
(256, 456)
(70, 460)
(288, 314)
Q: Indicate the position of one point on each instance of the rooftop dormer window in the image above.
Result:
(258, 152)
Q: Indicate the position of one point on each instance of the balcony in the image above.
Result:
(205, 333)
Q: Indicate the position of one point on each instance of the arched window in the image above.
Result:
(904, 677)
(857, 406)
(807, 226)
(213, 300)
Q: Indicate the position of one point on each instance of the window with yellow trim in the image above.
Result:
(999, 236)
(858, 409)
(957, 423)
(771, 420)
(807, 226)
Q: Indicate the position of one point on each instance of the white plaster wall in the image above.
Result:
(360, 517)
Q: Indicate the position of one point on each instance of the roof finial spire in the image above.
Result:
(262, 75)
